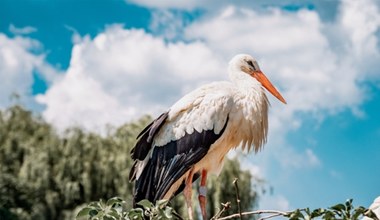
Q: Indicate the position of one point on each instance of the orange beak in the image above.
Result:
(267, 84)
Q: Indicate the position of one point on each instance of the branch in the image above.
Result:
(274, 212)
(237, 197)
(226, 206)
(271, 216)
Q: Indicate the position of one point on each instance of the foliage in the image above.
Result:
(344, 211)
(49, 176)
(114, 209)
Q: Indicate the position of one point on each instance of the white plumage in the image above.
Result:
(194, 136)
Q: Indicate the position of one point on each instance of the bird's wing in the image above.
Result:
(178, 139)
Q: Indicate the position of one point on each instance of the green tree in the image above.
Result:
(44, 175)
(223, 190)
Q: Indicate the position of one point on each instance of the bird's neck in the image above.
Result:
(250, 96)
(251, 92)
(245, 83)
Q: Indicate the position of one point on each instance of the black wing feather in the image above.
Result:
(146, 136)
(169, 162)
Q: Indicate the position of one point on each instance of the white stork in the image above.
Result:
(192, 138)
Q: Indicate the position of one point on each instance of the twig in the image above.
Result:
(226, 206)
(237, 197)
(274, 212)
(177, 215)
(270, 216)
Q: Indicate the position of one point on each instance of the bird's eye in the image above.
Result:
(251, 64)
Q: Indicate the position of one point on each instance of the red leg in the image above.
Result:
(202, 194)
(187, 193)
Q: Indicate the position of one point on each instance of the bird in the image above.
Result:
(192, 138)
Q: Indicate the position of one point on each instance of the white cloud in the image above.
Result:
(289, 158)
(312, 158)
(216, 5)
(121, 74)
(166, 3)
(294, 52)
(17, 64)
(21, 30)
(335, 174)
(168, 24)
(274, 202)
(76, 38)
(196, 4)
(360, 21)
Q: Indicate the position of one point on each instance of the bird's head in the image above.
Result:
(247, 64)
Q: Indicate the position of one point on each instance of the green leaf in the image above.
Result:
(357, 212)
(136, 214)
(83, 212)
(161, 214)
(169, 212)
(328, 215)
(95, 205)
(145, 203)
(338, 207)
(109, 217)
(115, 213)
(316, 213)
(162, 202)
(349, 203)
(100, 214)
(93, 212)
(113, 201)
(296, 215)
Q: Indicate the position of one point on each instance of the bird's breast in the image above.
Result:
(249, 121)
(213, 161)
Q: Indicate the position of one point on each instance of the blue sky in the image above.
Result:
(92, 63)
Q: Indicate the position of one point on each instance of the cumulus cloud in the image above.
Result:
(289, 158)
(166, 4)
(210, 6)
(360, 22)
(168, 24)
(21, 30)
(274, 202)
(198, 4)
(293, 50)
(17, 65)
(122, 74)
